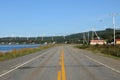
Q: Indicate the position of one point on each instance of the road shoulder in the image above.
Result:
(109, 61)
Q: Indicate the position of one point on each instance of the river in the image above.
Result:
(5, 48)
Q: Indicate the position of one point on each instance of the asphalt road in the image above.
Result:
(61, 63)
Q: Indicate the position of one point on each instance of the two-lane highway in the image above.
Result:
(62, 63)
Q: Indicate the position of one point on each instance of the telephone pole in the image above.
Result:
(113, 21)
(92, 34)
(52, 38)
(88, 37)
(42, 38)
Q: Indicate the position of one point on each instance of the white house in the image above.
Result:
(100, 42)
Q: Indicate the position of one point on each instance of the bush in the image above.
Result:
(1, 54)
(112, 50)
(105, 49)
(83, 46)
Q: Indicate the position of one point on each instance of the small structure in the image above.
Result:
(117, 41)
(45, 43)
(100, 42)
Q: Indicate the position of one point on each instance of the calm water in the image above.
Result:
(5, 48)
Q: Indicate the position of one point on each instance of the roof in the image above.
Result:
(117, 39)
(96, 41)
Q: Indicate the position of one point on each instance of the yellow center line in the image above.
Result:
(62, 74)
(63, 66)
(59, 75)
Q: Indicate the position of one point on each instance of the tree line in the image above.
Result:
(106, 34)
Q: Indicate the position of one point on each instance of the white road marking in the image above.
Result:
(103, 64)
(16, 65)
(22, 64)
(3, 71)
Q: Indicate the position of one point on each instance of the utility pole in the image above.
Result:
(52, 38)
(97, 35)
(84, 38)
(88, 37)
(42, 38)
(27, 38)
(113, 16)
(64, 37)
(113, 20)
(92, 34)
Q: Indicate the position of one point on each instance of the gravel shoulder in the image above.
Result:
(112, 62)
(12, 63)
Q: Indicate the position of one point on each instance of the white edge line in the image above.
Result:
(16, 65)
(22, 64)
(103, 64)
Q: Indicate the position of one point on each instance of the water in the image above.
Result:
(5, 48)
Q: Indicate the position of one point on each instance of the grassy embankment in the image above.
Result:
(21, 52)
(104, 49)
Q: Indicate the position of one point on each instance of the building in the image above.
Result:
(118, 41)
(100, 42)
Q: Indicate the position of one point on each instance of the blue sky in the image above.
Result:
(55, 17)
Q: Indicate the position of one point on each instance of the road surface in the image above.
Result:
(61, 63)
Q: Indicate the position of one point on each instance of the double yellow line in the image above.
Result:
(61, 73)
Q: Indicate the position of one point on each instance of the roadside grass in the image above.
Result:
(21, 52)
(109, 50)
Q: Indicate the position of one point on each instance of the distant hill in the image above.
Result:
(103, 34)
(73, 38)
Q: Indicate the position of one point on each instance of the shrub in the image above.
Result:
(105, 49)
(83, 46)
(1, 54)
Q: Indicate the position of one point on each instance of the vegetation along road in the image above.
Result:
(61, 63)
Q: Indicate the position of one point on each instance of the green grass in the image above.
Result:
(104, 49)
(21, 52)
(82, 46)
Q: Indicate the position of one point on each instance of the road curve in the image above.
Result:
(60, 63)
